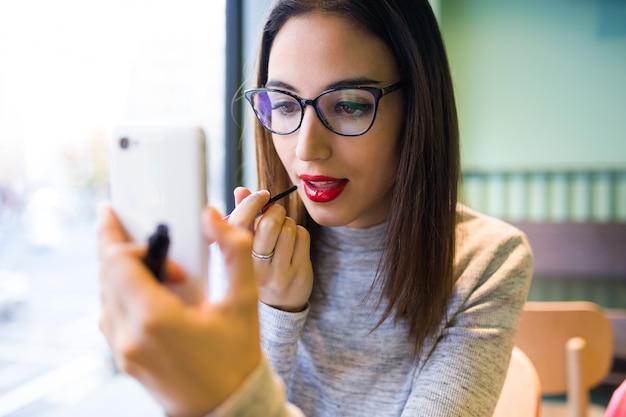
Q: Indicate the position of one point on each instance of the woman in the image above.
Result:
(379, 294)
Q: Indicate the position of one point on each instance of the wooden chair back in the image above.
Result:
(570, 344)
(521, 393)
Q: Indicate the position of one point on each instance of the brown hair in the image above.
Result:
(416, 271)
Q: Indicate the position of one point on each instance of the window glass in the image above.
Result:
(70, 70)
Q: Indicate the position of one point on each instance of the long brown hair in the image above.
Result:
(416, 272)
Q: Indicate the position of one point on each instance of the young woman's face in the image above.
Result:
(346, 180)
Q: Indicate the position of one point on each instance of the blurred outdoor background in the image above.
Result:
(541, 91)
(70, 70)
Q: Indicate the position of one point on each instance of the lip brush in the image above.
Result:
(277, 197)
(280, 195)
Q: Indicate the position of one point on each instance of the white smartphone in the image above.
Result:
(158, 176)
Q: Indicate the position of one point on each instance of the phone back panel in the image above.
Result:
(158, 175)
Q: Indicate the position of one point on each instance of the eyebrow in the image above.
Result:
(349, 82)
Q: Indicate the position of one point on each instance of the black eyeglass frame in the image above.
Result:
(377, 92)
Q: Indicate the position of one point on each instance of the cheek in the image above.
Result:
(388, 166)
(384, 155)
(392, 145)
(382, 170)
(284, 150)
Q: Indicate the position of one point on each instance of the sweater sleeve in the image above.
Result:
(462, 369)
(280, 332)
(262, 394)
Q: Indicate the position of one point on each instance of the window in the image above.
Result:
(70, 70)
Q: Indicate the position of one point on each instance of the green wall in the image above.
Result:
(539, 84)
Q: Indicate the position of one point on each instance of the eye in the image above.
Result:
(353, 109)
(286, 107)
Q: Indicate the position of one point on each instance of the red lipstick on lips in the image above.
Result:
(321, 189)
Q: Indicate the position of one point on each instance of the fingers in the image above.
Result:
(240, 194)
(302, 247)
(235, 243)
(109, 229)
(125, 281)
(268, 231)
(121, 295)
(174, 274)
(244, 214)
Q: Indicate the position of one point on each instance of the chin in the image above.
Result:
(327, 218)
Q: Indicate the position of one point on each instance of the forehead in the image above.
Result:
(316, 50)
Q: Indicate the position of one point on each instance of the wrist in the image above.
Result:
(290, 309)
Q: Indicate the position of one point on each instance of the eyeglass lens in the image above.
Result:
(344, 111)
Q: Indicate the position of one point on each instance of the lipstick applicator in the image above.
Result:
(279, 196)
(274, 199)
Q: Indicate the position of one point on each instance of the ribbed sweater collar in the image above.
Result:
(352, 239)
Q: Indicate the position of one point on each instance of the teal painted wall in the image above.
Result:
(539, 84)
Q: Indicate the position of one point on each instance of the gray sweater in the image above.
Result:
(333, 364)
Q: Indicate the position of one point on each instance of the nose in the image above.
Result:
(313, 137)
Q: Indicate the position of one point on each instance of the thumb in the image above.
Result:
(235, 243)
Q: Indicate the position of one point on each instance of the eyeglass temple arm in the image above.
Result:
(391, 88)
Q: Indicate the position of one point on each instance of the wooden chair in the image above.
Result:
(570, 344)
(521, 393)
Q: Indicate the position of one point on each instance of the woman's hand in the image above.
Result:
(189, 358)
(286, 277)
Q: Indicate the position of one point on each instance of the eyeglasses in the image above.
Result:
(346, 111)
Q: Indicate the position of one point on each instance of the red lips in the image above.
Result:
(321, 189)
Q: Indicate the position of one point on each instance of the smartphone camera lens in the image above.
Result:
(124, 142)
